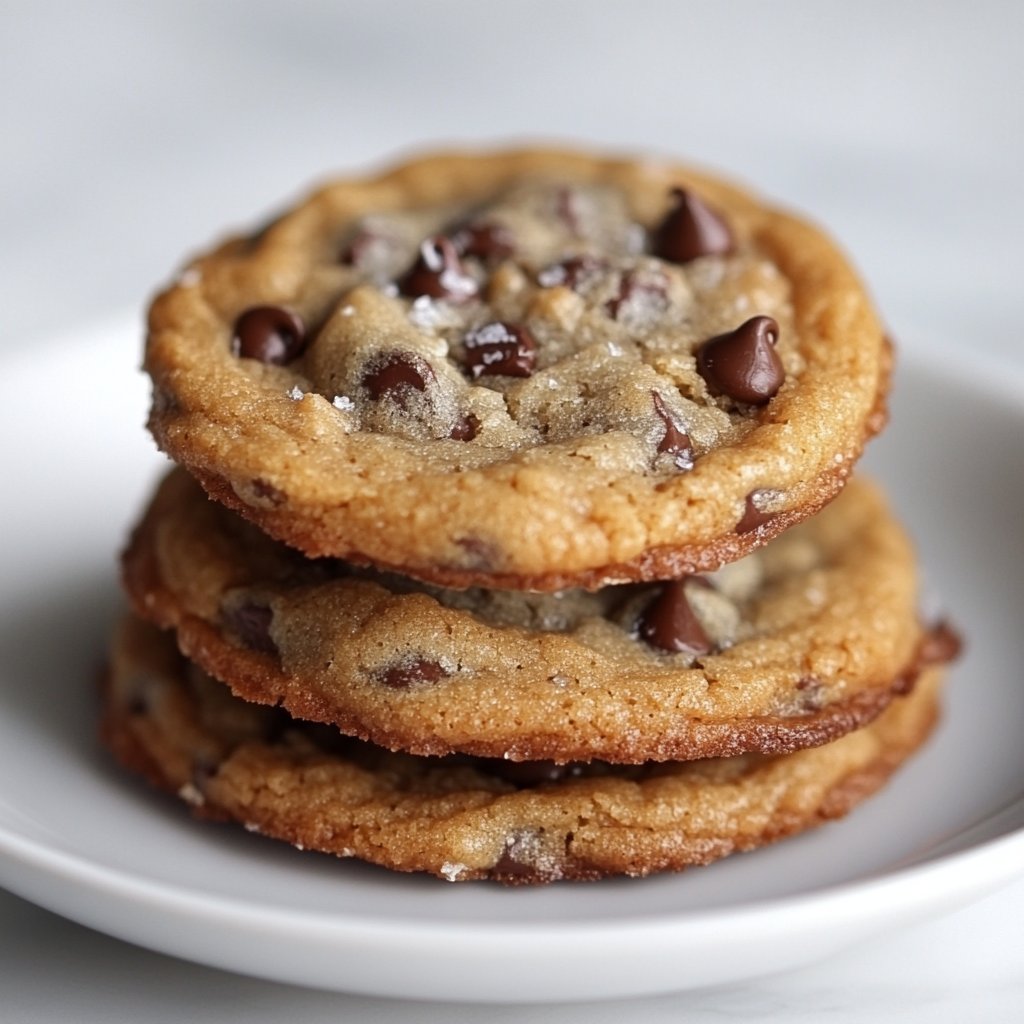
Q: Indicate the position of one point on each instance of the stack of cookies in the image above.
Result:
(534, 551)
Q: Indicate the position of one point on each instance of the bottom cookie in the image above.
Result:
(464, 818)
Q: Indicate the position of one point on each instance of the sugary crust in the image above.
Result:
(832, 635)
(459, 822)
(521, 521)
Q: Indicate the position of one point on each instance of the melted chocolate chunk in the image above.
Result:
(393, 375)
(508, 867)
(484, 240)
(438, 272)
(669, 623)
(500, 349)
(271, 334)
(743, 363)
(250, 622)
(518, 859)
(465, 429)
(408, 673)
(752, 516)
(689, 230)
(676, 442)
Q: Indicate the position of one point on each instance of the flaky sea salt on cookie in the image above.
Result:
(527, 369)
(792, 646)
(465, 818)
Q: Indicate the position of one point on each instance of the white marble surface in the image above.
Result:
(130, 133)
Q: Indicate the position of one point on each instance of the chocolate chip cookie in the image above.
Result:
(465, 818)
(530, 369)
(800, 641)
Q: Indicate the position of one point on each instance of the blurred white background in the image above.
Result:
(132, 133)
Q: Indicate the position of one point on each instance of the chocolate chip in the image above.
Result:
(465, 429)
(500, 349)
(393, 375)
(646, 290)
(572, 272)
(689, 230)
(676, 441)
(438, 272)
(271, 334)
(904, 684)
(518, 859)
(753, 517)
(743, 363)
(485, 240)
(669, 623)
(941, 643)
(250, 622)
(407, 673)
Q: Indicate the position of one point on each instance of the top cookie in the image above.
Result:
(529, 369)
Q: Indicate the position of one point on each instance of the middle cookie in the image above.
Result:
(790, 647)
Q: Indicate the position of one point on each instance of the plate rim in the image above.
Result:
(35, 854)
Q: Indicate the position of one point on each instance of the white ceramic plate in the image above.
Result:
(78, 838)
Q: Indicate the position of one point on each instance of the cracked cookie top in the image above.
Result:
(521, 369)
